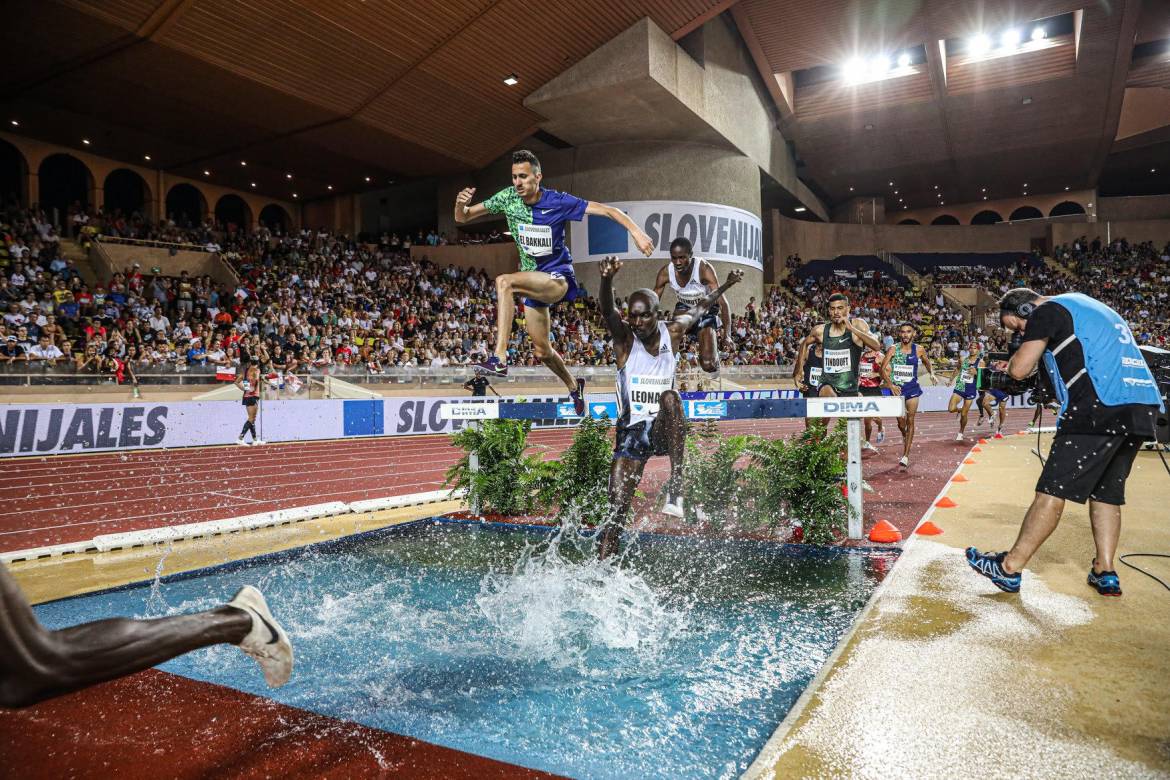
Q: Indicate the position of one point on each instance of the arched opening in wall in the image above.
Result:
(1026, 212)
(987, 217)
(13, 176)
(275, 218)
(65, 182)
(1066, 208)
(233, 213)
(945, 219)
(909, 221)
(128, 193)
(186, 205)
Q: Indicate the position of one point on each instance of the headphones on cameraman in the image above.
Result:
(1023, 310)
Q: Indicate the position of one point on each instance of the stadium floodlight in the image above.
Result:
(1038, 34)
(511, 79)
(1010, 38)
(879, 65)
(979, 45)
(800, 209)
(853, 71)
(904, 60)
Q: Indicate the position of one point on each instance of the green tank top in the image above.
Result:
(969, 374)
(840, 361)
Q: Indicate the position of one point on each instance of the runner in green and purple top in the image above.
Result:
(536, 218)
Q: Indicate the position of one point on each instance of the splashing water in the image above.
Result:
(555, 610)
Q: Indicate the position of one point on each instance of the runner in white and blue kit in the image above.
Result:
(536, 218)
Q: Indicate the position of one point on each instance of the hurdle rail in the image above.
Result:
(852, 409)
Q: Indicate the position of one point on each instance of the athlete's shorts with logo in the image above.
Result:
(708, 320)
(872, 391)
(968, 392)
(1083, 466)
(911, 389)
(639, 441)
(999, 396)
(571, 294)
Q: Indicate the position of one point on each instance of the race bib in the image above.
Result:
(903, 373)
(814, 375)
(837, 361)
(646, 393)
(968, 378)
(536, 240)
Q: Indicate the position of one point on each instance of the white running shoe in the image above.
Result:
(266, 642)
(958, 437)
(241, 442)
(866, 487)
(673, 507)
(904, 462)
(868, 447)
(881, 436)
(257, 442)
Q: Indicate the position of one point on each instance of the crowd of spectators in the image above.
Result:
(311, 301)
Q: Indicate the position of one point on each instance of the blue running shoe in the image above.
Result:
(990, 565)
(1107, 583)
(578, 398)
(493, 366)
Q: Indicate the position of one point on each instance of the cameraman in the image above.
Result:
(1108, 405)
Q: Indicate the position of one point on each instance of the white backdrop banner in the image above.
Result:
(717, 232)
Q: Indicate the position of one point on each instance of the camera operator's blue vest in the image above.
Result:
(1113, 362)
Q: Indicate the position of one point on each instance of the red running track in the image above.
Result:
(59, 499)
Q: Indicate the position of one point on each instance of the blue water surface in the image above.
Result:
(390, 632)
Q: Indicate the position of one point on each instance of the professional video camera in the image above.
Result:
(1036, 387)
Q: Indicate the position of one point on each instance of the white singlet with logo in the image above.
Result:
(645, 377)
(694, 290)
(537, 240)
(837, 361)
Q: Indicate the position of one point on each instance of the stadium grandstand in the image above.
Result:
(366, 230)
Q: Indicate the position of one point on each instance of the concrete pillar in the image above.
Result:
(32, 187)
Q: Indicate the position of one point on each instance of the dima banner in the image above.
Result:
(717, 232)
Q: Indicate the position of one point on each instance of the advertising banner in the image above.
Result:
(715, 231)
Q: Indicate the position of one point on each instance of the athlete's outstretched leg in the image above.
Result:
(709, 350)
(38, 664)
(624, 476)
(538, 324)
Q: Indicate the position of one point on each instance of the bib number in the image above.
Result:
(903, 374)
(814, 375)
(536, 240)
(646, 393)
(968, 378)
(837, 361)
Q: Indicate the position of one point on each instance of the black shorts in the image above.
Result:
(708, 320)
(251, 400)
(871, 390)
(1081, 466)
(640, 441)
(813, 391)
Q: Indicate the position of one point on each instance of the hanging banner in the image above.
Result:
(716, 232)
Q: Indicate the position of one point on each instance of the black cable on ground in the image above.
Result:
(1159, 580)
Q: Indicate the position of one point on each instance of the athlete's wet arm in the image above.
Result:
(925, 358)
(1026, 358)
(709, 278)
(613, 320)
(661, 281)
(864, 334)
(645, 245)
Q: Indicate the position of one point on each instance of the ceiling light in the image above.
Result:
(1090, 205)
(853, 71)
(985, 197)
(799, 209)
(851, 189)
(367, 178)
(891, 184)
(869, 127)
(15, 123)
(511, 79)
(288, 176)
(294, 194)
(895, 192)
(880, 65)
(1066, 189)
(244, 163)
(253, 184)
(329, 186)
(1153, 170)
(85, 141)
(207, 173)
(936, 186)
(1038, 34)
(904, 60)
(146, 157)
(985, 189)
(1026, 101)
(979, 45)
(1010, 38)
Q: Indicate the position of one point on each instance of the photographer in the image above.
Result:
(1108, 405)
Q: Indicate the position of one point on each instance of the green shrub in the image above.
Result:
(507, 479)
(578, 483)
(713, 489)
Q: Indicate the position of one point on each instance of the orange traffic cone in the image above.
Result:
(969, 462)
(885, 533)
(983, 441)
(959, 478)
(928, 529)
(976, 449)
(945, 503)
